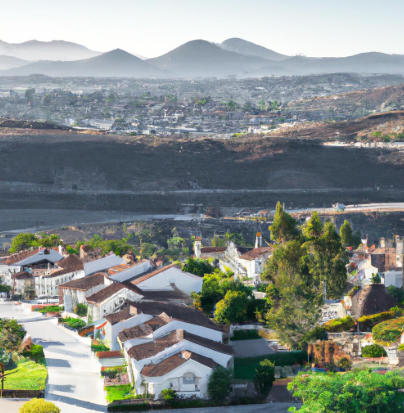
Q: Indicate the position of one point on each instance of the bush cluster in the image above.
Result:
(373, 351)
(245, 335)
(81, 310)
(338, 325)
(75, 323)
(39, 406)
(35, 353)
(367, 322)
(99, 347)
(388, 331)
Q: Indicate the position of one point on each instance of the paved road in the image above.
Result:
(74, 382)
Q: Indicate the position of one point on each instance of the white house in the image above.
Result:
(169, 278)
(366, 270)
(76, 291)
(394, 277)
(111, 299)
(157, 319)
(103, 264)
(252, 263)
(160, 349)
(125, 272)
(185, 372)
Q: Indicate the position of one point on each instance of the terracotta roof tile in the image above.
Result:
(109, 354)
(256, 253)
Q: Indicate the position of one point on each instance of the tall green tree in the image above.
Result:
(264, 378)
(219, 385)
(295, 295)
(348, 238)
(232, 308)
(283, 227)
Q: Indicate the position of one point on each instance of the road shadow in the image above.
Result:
(45, 343)
(57, 363)
(64, 388)
(76, 402)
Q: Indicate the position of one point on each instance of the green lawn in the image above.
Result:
(244, 368)
(122, 392)
(27, 376)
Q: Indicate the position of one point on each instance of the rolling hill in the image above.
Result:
(116, 63)
(203, 59)
(34, 50)
(9, 62)
(251, 49)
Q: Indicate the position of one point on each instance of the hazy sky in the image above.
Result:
(153, 27)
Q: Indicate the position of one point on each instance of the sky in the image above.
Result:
(154, 27)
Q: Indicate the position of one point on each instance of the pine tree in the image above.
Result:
(283, 227)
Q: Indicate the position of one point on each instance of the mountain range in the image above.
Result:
(197, 58)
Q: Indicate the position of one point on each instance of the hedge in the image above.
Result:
(245, 335)
(389, 331)
(367, 322)
(244, 368)
(338, 325)
(99, 347)
(373, 351)
(75, 323)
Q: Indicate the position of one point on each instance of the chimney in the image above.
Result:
(382, 242)
(82, 252)
(133, 310)
(258, 240)
(365, 241)
(61, 250)
(197, 247)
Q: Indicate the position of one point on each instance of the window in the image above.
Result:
(188, 379)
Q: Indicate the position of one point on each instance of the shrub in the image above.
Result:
(169, 394)
(397, 293)
(245, 335)
(99, 347)
(353, 291)
(373, 351)
(367, 322)
(264, 377)
(112, 372)
(35, 353)
(75, 323)
(81, 310)
(50, 309)
(388, 331)
(401, 347)
(376, 279)
(38, 406)
(345, 363)
(338, 325)
(317, 333)
(219, 385)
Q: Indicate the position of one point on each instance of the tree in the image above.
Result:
(376, 279)
(295, 295)
(24, 241)
(198, 267)
(264, 377)
(232, 308)
(39, 406)
(313, 228)
(353, 392)
(219, 385)
(348, 238)
(283, 227)
(169, 394)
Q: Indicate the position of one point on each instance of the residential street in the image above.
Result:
(74, 382)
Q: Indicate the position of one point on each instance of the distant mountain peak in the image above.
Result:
(235, 44)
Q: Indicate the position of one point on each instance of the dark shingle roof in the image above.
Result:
(171, 363)
(85, 283)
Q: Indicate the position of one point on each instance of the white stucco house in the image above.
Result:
(103, 264)
(127, 271)
(111, 299)
(155, 352)
(76, 291)
(394, 277)
(252, 263)
(169, 278)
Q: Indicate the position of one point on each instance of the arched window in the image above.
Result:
(188, 378)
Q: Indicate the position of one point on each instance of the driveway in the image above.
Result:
(74, 382)
(252, 348)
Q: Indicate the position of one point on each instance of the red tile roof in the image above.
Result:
(256, 253)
